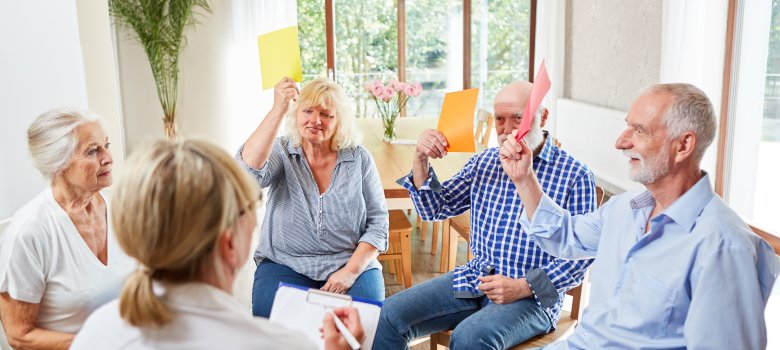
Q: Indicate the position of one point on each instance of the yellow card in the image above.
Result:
(456, 121)
(280, 56)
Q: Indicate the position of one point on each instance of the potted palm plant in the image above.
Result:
(159, 25)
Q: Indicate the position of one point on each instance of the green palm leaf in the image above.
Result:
(159, 26)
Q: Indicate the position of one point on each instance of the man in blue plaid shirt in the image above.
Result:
(511, 290)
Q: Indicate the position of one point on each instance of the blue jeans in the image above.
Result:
(369, 285)
(478, 323)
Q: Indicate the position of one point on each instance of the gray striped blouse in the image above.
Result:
(316, 234)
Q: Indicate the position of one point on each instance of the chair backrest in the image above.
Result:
(485, 122)
(599, 196)
(579, 296)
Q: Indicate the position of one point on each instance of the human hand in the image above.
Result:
(516, 158)
(504, 290)
(431, 143)
(330, 332)
(340, 281)
(284, 91)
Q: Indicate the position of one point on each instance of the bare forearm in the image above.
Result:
(39, 338)
(258, 146)
(420, 169)
(361, 257)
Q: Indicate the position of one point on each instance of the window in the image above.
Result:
(434, 47)
(754, 138)
(500, 43)
(365, 45)
(311, 33)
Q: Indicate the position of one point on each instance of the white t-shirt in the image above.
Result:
(44, 260)
(204, 318)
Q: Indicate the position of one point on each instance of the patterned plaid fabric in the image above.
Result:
(497, 238)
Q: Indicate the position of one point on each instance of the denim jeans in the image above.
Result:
(369, 285)
(478, 323)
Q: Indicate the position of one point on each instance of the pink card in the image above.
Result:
(541, 86)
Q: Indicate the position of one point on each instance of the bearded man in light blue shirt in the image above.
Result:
(675, 267)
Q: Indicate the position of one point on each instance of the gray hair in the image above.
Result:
(51, 138)
(690, 111)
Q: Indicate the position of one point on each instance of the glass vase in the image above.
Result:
(388, 124)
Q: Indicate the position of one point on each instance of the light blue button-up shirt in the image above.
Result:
(698, 279)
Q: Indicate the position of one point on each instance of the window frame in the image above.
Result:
(401, 23)
(727, 120)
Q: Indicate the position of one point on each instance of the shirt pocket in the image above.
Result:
(646, 305)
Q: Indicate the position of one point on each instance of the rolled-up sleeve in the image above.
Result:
(270, 171)
(434, 201)
(559, 275)
(377, 222)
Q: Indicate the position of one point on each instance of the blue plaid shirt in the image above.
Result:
(497, 239)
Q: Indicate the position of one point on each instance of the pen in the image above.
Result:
(345, 332)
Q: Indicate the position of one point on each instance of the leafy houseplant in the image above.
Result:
(159, 27)
(390, 100)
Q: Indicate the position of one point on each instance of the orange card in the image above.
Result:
(456, 120)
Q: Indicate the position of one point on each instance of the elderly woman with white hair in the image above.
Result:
(326, 218)
(59, 259)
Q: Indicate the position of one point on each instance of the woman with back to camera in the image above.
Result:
(59, 259)
(185, 211)
(326, 219)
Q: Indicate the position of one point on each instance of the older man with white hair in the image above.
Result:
(675, 267)
(511, 290)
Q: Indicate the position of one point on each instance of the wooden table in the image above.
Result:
(394, 160)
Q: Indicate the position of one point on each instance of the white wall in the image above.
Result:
(669, 41)
(220, 98)
(42, 66)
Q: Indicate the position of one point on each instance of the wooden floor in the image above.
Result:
(424, 266)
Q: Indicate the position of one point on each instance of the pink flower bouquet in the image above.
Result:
(390, 100)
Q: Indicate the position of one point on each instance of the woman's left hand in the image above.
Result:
(340, 281)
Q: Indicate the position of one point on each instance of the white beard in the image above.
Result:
(650, 169)
(535, 136)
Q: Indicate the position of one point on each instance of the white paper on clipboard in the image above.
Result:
(303, 309)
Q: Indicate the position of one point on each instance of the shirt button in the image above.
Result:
(619, 291)
(631, 259)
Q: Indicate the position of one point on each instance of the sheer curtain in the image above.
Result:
(693, 49)
(247, 103)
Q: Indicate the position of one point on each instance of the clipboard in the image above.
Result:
(302, 309)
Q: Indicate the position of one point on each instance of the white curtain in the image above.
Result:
(246, 103)
(693, 49)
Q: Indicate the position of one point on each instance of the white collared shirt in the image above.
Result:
(204, 318)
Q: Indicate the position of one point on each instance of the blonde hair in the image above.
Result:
(51, 139)
(324, 92)
(169, 208)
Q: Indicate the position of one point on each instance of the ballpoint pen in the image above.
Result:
(344, 331)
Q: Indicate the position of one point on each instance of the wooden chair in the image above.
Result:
(399, 250)
(484, 127)
(564, 327)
